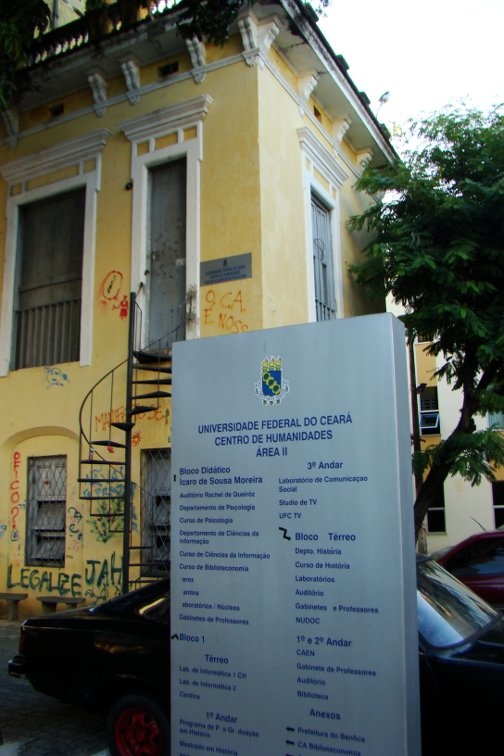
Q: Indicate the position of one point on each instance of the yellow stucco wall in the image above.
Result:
(425, 365)
(230, 207)
(251, 200)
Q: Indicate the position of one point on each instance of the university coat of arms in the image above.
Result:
(272, 387)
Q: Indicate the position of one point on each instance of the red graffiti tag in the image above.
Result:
(15, 496)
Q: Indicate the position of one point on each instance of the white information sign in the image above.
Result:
(293, 568)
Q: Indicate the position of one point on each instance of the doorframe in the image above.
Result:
(182, 126)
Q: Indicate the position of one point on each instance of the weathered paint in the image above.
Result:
(252, 198)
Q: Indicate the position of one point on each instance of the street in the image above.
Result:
(33, 724)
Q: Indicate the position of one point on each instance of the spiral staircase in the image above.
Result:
(139, 384)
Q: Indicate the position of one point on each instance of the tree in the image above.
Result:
(438, 248)
(19, 23)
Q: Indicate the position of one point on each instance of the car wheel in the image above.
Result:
(137, 726)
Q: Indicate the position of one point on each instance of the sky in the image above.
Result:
(426, 54)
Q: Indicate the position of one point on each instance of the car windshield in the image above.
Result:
(151, 602)
(448, 613)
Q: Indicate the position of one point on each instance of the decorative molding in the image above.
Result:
(98, 86)
(257, 37)
(340, 129)
(11, 121)
(306, 85)
(55, 158)
(162, 122)
(131, 73)
(321, 158)
(197, 51)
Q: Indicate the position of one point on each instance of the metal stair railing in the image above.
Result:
(105, 446)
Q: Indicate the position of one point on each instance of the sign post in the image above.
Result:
(293, 569)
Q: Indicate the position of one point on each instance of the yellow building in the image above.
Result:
(154, 188)
(461, 509)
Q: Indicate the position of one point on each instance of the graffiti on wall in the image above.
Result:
(104, 481)
(123, 307)
(107, 521)
(54, 376)
(110, 294)
(226, 311)
(107, 517)
(103, 420)
(74, 524)
(15, 497)
(100, 580)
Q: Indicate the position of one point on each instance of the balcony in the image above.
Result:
(97, 26)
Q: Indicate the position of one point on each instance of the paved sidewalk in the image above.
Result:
(33, 724)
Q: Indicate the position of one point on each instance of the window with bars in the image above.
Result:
(49, 280)
(156, 510)
(323, 265)
(45, 511)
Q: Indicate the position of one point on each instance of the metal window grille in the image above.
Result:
(49, 280)
(46, 506)
(156, 511)
(48, 335)
(323, 266)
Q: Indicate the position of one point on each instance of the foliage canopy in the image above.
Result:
(19, 23)
(437, 248)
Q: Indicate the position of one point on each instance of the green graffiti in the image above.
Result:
(101, 579)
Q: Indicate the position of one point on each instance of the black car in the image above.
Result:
(117, 656)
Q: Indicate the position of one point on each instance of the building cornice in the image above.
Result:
(55, 158)
(160, 122)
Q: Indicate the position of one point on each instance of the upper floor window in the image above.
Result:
(166, 254)
(167, 151)
(47, 297)
(323, 263)
(324, 175)
(47, 301)
(429, 412)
